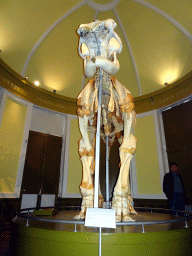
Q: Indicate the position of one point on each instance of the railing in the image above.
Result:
(187, 216)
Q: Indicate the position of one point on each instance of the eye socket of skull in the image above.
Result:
(114, 45)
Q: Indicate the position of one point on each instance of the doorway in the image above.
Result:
(178, 135)
(42, 164)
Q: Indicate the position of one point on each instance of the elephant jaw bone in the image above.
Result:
(110, 67)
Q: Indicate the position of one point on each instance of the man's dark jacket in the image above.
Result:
(168, 185)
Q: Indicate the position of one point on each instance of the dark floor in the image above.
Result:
(5, 235)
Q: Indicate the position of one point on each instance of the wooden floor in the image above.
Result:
(140, 217)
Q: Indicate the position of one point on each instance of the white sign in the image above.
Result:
(98, 217)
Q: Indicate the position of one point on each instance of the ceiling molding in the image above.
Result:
(21, 87)
(47, 32)
(166, 16)
(103, 7)
(130, 51)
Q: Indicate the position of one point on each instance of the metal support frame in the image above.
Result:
(97, 148)
(107, 169)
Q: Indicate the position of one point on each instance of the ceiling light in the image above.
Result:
(152, 100)
(169, 73)
(36, 83)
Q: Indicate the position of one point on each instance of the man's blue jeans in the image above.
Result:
(177, 203)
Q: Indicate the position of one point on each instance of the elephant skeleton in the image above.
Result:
(98, 46)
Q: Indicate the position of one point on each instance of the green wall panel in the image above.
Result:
(75, 166)
(147, 165)
(11, 136)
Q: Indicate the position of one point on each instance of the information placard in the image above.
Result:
(98, 217)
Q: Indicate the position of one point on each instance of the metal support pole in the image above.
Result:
(75, 228)
(107, 169)
(99, 241)
(97, 147)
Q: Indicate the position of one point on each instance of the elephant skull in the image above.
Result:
(98, 46)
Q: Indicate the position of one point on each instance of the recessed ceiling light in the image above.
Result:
(36, 83)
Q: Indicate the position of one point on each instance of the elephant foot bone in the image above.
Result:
(124, 218)
(118, 218)
(122, 207)
(132, 210)
(127, 218)
(87, 202)
(80, 216)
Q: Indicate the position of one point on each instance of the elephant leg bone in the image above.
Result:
(87, 156)
(122, 195)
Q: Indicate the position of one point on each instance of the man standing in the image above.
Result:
(174, 189)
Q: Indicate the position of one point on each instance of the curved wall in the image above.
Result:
(11, 134)
(150, 142)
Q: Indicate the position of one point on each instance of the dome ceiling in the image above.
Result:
(39, 41)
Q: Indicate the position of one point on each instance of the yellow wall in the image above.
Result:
(147, 166)
(75, 166)
(11, 136)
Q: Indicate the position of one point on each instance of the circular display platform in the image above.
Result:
(152, 233)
